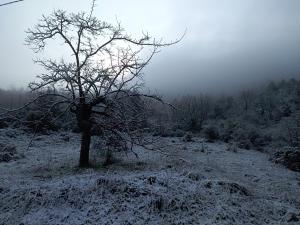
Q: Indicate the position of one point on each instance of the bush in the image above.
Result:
(244, 144)
(36, 121)
(3, 124)
(247, 137)
(7, 152)
(289, 158)
(211, 133)
(167, 132)
(227, 130)
(188, 138)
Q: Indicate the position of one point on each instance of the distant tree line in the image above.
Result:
(254, 118)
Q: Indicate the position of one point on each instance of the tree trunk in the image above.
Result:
(85, 125)
(85, 148)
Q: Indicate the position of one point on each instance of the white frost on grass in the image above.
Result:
(212, 186)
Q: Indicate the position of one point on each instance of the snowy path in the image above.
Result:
(213, 186)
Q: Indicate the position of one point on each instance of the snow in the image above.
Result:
(198, 183)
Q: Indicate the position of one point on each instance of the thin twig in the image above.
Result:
(8, 3)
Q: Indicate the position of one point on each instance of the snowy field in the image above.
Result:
(197, 183)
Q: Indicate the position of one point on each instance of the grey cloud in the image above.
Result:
(229, 43)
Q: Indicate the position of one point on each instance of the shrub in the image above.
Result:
(244, 144)
(211, 133)
(289, 158)
(188, 138)
(3, 124)
(7, 152)
(36, 121)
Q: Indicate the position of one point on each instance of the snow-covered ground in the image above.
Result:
(198, 183)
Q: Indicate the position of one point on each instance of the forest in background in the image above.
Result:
(259, 118)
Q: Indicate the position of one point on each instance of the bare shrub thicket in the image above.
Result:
(293, 130)
(13, 98)
(191, 112)
(252, 118)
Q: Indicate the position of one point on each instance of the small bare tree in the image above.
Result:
(192, 111)
(105, 68)
(247, 98)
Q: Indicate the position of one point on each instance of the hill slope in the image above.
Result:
(198, 183)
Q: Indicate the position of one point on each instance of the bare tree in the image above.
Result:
(247, 97)
(104, 69)
(293, 130)
(192, 111)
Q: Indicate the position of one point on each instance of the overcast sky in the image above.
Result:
(229, 44)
